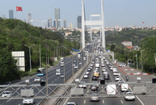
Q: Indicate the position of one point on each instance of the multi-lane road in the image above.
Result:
(52, 79)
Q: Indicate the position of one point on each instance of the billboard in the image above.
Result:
(20, 57)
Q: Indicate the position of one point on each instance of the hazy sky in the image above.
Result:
(117, 12)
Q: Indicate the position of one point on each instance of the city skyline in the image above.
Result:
(117, 13)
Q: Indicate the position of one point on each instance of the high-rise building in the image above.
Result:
(11, 14)
(70, 26)
(49, 23)
(29, 18)
(65, 24)
(79, 22)
(57, 18)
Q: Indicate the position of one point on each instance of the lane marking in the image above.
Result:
(136, 95)
(84, 101)
(121, 101)
(103, 101)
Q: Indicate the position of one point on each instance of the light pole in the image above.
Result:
(30, 54)
(40, 54)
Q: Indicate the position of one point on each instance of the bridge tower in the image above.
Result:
(91, 23)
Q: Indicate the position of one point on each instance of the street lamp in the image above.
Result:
(29, 54)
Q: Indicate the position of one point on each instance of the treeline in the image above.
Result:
(16, 35)
(133, 35)
(145, 57)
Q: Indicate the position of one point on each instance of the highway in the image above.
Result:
(139, 100)
(52, 79)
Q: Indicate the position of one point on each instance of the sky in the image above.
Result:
(121, 13)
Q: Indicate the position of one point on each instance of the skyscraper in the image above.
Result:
(49, 23)
(57, 18)
(79, 22)
(65, 24)
(11, 14)
(29, 18)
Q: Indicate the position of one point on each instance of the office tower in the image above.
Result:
(65, 24)
(57, 18)
(70, 26)
(79, 22)
(49, 23)
(11, 14)
(29, 18)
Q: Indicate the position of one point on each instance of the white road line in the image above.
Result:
(136, 95)
(84, 101)
(121, 101)
(103, 101)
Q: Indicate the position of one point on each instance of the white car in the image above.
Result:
(28, 101)
(129, 96)
(27, 82)
(82, 84)
(85, 76)
(115, 73)
(6, 94)
(77, 80)
(75, 67)
(37, 79)
(87, 73)
(117, 78)
(70, 103)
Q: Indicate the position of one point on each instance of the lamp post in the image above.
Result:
(40, 54)
(30, 54)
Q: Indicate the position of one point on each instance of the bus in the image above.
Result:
(41, 72)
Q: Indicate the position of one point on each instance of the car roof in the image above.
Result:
(70, 102)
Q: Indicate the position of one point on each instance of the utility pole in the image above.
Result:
(40, 55)
(30, 54)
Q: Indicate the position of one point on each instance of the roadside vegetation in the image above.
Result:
(145, 57)
(16, 35)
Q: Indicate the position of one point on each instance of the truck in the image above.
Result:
(139, 90)
(77, 92)
(27, 92)
(111, 89)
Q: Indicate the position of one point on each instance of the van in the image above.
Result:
(111, 89)
(124, 87)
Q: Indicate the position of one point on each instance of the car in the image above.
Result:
(71, 103)
(94, 98)
(62, 75)
(37, 79)
(115, 73)
(93, 87)
(75, 67)
(6, 94)
(94, 77)
(28, 101)
(117, 78)
(106, 76)
(88, 69)
(129, 96)
(103, 65)
(91, 65)
(80, 63)
(74, 61)
(82, 84)
(105, 72)
(77, 80)
(87, 73)
(27, 81)
(85, 76)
